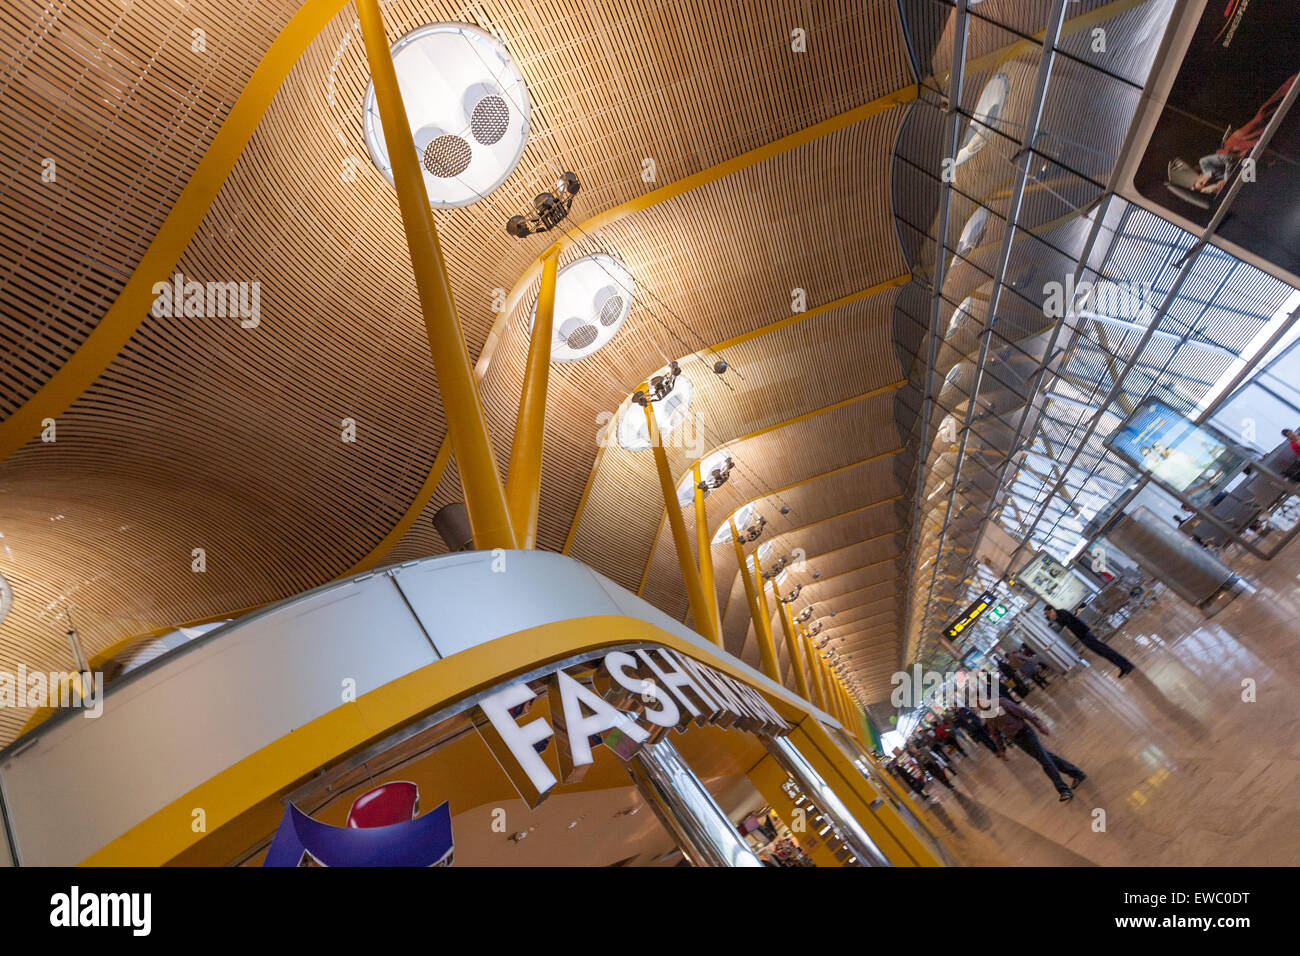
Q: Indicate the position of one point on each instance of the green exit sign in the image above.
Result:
(997, 613)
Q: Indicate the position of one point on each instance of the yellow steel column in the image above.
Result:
(751, 596)
(485, 498)
(832, 692)
(792, 642)
(766, 646)
(704, 546)
(690, 574)
(814, 674)
(854, 725)
(523, 480)
(898, 841)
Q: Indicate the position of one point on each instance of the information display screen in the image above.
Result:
(1177, 453)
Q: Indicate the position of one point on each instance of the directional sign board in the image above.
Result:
(973, 613)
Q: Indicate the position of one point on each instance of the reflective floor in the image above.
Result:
(1181, 769)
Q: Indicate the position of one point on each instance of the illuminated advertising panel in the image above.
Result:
(1052, 581)
(1187, 458)
(1233, 70)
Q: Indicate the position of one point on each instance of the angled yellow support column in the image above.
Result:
(763, 628)
(755, 614)
(704, 547)
(854, 724)
(792, 642)
(898, 841)
(524, 479)
(832, 691)
(814, 674)
(485, 498)
(690, 574)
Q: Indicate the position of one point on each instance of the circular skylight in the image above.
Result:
(593, 296)
(670, 412)
(742, 517)
(972, 234)
(960, 315)
(989, 110)
(686, 490)
(468, 109)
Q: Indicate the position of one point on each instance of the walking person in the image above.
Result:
(971, 723)
(1085, 636)
(944, 735)
(1027, 668)
(928, 763)
(1013, 723)
(1012, 676)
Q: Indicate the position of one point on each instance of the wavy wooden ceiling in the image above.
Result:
(204, 434)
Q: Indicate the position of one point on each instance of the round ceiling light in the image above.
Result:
(6, 598)
(468, 108)
(593, 296)
(670, 412)
(989, 110)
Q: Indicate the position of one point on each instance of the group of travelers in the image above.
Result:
(933, 749)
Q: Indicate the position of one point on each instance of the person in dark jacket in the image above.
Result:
(1085, 636)
(1013, 723)
(1012, 677)
(928, 763)
(970, 721)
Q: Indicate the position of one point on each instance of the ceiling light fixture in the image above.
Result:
(714, 472)
(741, 516)
(669, 393)
(754, 529)
(593, 297)
(468, 108)
(549, 209)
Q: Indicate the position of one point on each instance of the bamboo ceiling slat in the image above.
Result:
(809, 503)
(118, 99)
(205, 434)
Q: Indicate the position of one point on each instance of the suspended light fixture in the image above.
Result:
(468, 108)
(741, 517)
(669, 393)
(593, 296)
(549, 209)
(753, 530)
(714, 472)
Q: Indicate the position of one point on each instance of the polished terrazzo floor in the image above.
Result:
(1183, 770)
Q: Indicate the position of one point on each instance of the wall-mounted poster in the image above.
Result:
(1238, 64)
(1183, 456)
